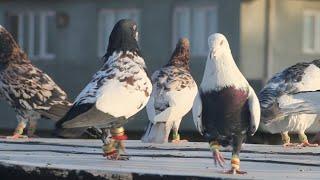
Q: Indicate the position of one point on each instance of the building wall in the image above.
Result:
(288, 41)
(286, 35)
(76, 45)
(252, 39)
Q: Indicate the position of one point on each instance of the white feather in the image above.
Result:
(170, 101)
(115, 97)
(197, 113)
(221, 71)
(254, 108)
(300, 103)
(292, 106)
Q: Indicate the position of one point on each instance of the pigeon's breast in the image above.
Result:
(225, 110)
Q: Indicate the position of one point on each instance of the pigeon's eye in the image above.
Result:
(221, 43)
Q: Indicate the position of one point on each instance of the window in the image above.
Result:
(311, 32)
(107, 19)
(196, 24)
(33, 32)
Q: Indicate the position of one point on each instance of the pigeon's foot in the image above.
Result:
(116, 156)
(176, 138)
(288, 145)
(235, 171)
(178, 141)
(307, 144)
(218, 159)
(17, 136)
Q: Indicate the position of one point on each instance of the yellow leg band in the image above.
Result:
(109, 149)
(19, 129)
(214, 146)
(235, 162)
(117, 131)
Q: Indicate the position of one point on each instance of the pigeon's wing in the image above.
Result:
(254, 108)
(197, 113)
(300, 77)
(158, 107)
(173, 89)
(84, 113)
(305, 102)
(27, 87)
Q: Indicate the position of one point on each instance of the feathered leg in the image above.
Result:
(286, 139)
(235, 160)
(217, 155)
(304, 140)
(19, 129)
(115, 146)
(175, 133)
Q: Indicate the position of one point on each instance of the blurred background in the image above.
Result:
(67, 38)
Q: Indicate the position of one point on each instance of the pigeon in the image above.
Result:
(172, 97)
(226, 108)
(282, 93)
(119, 90)
(27, 89)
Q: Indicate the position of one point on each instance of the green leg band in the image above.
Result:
(303, 138)
(175, 136)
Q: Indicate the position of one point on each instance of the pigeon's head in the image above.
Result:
(218, 45)
(181, 54)
(8, 46)
(124, 37)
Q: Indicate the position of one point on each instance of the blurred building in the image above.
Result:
(66, 38)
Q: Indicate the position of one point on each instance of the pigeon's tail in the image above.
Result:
(67, 132)
(57, 111)
(157, 133)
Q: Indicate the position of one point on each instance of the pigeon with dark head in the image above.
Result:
(119, 90)
(226, 107)
(31, 92)
(287, 107)
(172, 97)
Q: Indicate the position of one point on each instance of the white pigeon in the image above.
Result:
(281, 94)
(172, 97)
(226, 107)
(120, 89)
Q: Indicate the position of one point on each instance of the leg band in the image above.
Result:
(214, 146)
(303, 138)
(176, 136)
(235, 162)
(118, 134)
(109, 149)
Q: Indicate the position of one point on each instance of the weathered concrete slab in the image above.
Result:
(82, 159)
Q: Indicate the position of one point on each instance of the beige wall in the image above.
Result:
(252, 38)
(286, 35)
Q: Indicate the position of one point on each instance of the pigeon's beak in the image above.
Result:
(137, 36)
(214, 53)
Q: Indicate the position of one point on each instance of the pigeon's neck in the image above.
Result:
(180, 58)
(222, 72)
(16, 56)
